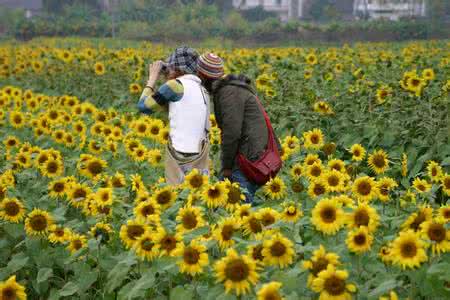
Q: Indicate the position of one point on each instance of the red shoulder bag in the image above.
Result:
(268, 165)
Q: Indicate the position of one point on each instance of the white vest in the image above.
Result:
(189, 117)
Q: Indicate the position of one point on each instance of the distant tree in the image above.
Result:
(57, 6)
(438, 9)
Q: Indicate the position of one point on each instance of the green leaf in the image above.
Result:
(44, 274)
(181, 293)
(440, 269)
(13, 230)
(446, 162)
(118, 274)
(68, 289)
(138, 291)
(17, 262)
(384, 288)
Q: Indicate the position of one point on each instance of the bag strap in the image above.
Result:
(208, 110)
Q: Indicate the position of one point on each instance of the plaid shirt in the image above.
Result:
(171, 91)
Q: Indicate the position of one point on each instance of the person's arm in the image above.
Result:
(232, 116)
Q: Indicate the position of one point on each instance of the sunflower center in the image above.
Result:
(77, 244)
(328, 214)
(272, 295)
(361, 218)
(134, 231)
(333, 180)
(379, 161)
(148, 210)
(268, 219)
(189, 220)
(234, 195)
(297, 187)
(59, 232)
(316, 171)
(364, 188)
(278, 249)
(334, 286)
(319, 189)
(213, 193)
(196, 181)
(38, 223)
(163, 197)
(384, 190)
(147, 245)
(191, 256)
(360, 239)
(315, 139)
(95, 167)
(52, 167)
(11, 208)
(237, 270)
(436, 232)
(291, 211)
(227, 232)
(356, 152)
(142, 128)
(154, 130)
(255, 225)
(275, 187)
(79, 194)
(446, 182)
(168, 243)
(418, 221)
(257, 253)
(408, 249)
(9, 293)
(319, 265)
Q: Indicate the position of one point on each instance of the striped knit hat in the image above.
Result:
(210, 66)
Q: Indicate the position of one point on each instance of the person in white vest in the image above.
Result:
(188, 104)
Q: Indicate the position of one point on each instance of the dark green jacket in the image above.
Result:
(241, 120)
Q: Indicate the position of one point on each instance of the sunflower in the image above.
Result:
(428, 74)
(194, 258)
(59, 234)
(78, 194)
(195, 180)
(189, 218)
(385, 254)
(38, 222)
(378, 161)
(11, 290)
(52, 168)
(323, 108)
(334, 181)
(76, 242)
(358, 152)
(135, 88)
(12, 210)
(146, 247)
(313, 139)
(392, 296)
(167, 242)
(415, 220)
(252, 224)
(421, 185)
(404, 164)
(154, 157)
(434, 171)
(314, 170)
(311, 159)
(147, 208)
(291, 213)
(445, 184)
(275, 188)
(332, 284)
(336, 164)
(408, 250)
(17, 119)
(137, 185)
(11, 142)
(270, 291)
(311, 59)
(328, 216)
(384, 186)
(165, 197)
(101, 231)
(99, 68)
(363, 216)
(132, 231)
(58, 188)
(235, 197)
(317, 188)
(296, 171)
(237, 272)
(292, 143)
(278, 250)
(319, 262)
(139, 153)
(243, 211)
(104, 197)
(382, 93)
(359, 240)
(23, 159)
(436, 235)
(365, 188)
(215, 195)
(444, 213)
(224, 231)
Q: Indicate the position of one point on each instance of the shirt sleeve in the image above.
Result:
(171, 91)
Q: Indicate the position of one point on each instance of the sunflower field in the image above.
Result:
(359, 211)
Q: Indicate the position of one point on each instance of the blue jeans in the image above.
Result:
(250, 187)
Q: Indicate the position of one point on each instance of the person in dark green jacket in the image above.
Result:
(239, 117)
